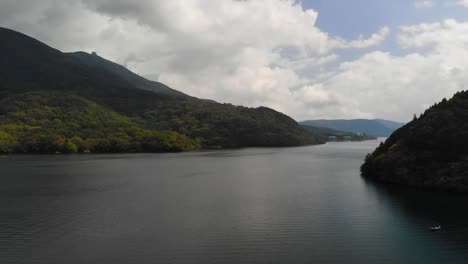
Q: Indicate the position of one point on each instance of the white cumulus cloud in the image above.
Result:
(380, 84)
(254, 53)
(244, 52)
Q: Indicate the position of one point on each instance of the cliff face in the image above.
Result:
(429, 152)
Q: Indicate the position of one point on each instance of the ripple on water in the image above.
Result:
(294, 205)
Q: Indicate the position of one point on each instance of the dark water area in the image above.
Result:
(290, 205)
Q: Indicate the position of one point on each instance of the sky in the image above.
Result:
(310, 59)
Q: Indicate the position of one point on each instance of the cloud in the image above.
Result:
(361, 42)
(423, 4)
(380, 84)
(463, 3)
(440, 36)
(254, 53)
(244, 52)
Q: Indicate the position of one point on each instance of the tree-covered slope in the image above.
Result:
(431, 151)
(230, 126)
(27, 65)
(56, 122)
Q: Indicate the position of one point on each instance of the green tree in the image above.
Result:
(7, 142)
(69, 147)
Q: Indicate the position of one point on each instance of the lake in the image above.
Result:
(256, 205)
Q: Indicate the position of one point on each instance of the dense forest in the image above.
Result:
(54, 122)
(30, 70)
(431, 151)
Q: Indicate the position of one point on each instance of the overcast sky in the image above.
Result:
(310, 59)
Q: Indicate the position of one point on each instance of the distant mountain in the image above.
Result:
(374, 127)
(29, 67)
(390, 124)
(429, 152)
(337, 135)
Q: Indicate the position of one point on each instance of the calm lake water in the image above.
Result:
(291, 205)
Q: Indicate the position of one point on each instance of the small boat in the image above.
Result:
(435, 228)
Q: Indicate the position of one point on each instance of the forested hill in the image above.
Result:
(51, 122)
(29, 67)
(429, 152)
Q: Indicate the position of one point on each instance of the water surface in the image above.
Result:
(290, 205)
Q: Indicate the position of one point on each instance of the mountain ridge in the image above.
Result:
(96, 62)
(31, 66)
